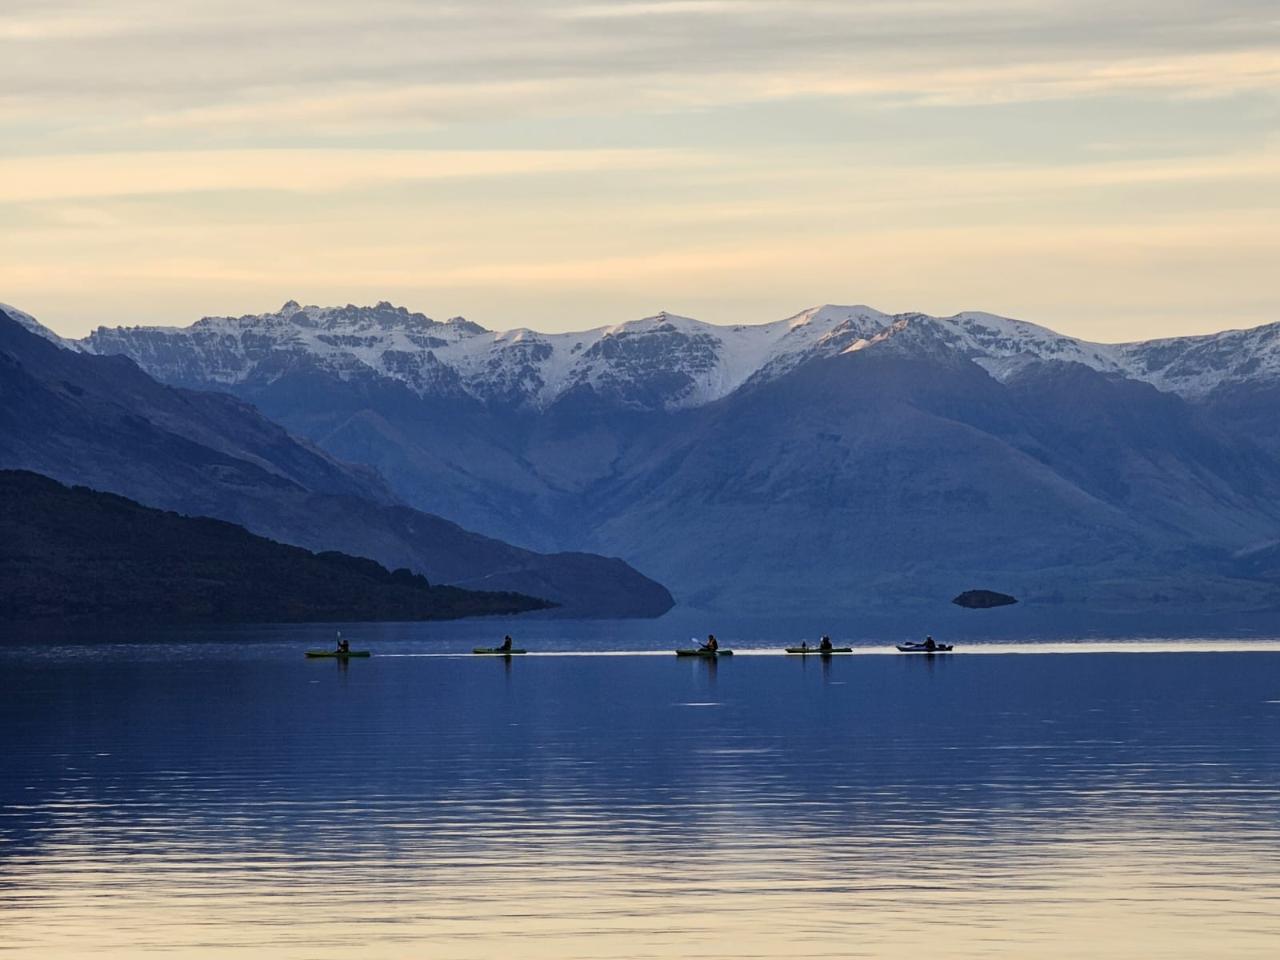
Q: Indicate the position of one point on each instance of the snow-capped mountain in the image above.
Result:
(35, 326)
(840, 457)
(104, 423)
(664, 361)
(1195, 366)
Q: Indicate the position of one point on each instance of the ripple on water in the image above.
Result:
(1035, 806)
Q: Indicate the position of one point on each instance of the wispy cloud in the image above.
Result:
(254, 65)
(729, 151)
(61, 177)
(435, 106)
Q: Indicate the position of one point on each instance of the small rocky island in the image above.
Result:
(983, 599)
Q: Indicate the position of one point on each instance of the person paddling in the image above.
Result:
(825, 645)
(506, 644)
(712, 644)
(344, 646)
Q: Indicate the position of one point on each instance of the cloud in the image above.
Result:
(290, 66)
(37, 178)
(429, 106)
(668, 8)
(922, 152)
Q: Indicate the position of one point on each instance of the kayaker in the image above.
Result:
(825, 644)
(712, 644)
(344, 646)
(929, 644)
(506, 644)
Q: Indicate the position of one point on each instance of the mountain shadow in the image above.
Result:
(103, 423)
(72, 553)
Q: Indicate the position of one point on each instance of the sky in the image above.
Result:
(1109, 169)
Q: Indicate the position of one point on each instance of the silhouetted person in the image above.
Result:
(344, 646)
(506, 644)
(712, 644)
(929, 644)
(825, 644)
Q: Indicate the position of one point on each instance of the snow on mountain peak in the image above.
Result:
(663, 361)
(999, 344)
(1192, 366)
(29, 322)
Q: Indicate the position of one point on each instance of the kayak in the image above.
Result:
(337, 655)
(921, 648)
(496, 651)
(704, 653)
(803, 651)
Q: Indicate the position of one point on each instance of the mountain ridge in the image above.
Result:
(72, 552)
(665, 361)
(839, 459)
(103, 423)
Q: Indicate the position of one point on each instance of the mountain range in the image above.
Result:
(840, 459)
(665, 361)
(103, 423)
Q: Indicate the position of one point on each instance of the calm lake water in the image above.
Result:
(213, 794)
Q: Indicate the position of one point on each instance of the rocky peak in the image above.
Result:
(664, 361)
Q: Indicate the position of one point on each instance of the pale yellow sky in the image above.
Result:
(1110, 170)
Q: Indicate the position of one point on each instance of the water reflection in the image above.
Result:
(1047, 806)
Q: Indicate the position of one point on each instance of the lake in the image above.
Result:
(208, 793)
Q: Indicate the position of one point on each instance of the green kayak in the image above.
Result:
(496, 651)
(704, 653)
(818, 651)
(338, 656)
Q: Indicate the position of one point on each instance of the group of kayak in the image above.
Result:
(825, 648)
(711, 648)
